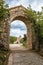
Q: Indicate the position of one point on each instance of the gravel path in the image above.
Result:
(15, 47)
(27, 58)
(21, 56)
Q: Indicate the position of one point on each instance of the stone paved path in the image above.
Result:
(24, 57)
(27, 58)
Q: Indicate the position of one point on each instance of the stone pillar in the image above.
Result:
(34, 39)
(1, 34)
(5, 34)
(29, 37)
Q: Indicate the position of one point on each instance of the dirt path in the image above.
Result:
(24, 58)
(14, 47)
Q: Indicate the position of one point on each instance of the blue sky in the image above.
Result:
(18, 28)
(35, 4)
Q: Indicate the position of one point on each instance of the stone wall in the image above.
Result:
(4, 34)
(17, 13)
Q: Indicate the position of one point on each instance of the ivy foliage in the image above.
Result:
(36, 17)
(4, 11)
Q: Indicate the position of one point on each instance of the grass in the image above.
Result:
(12, 39)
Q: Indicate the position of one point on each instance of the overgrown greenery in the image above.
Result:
(4, 11)
(24, 40)
(3, 56)
(12, 39)
(36, 18)
(4, 14)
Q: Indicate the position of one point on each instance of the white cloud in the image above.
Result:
(19, 2)
(24, 2)
(18, 22)
(17, 32)
(36, 4)
(13, 3)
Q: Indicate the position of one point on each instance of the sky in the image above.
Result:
(18, 28)
(15, 29)
(35, 4)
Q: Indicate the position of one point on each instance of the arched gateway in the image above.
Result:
(17, 13)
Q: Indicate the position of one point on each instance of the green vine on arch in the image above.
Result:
(36, 18)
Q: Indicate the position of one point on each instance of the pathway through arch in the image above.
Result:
(17, 47)
(23, 56)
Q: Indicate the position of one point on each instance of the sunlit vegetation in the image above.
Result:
(4, 14)
(12, 39)
(24, 40)
(3, 56)
(36, 18)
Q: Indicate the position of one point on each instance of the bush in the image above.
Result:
(12, 39)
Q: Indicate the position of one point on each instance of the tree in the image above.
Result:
(25, 37)
(37, 19)
(4, 11)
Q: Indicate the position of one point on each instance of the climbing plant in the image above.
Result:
(40, 28)
(36, 18)
(4, 11)
(4, 14)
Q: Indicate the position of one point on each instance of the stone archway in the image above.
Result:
(17, 13)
